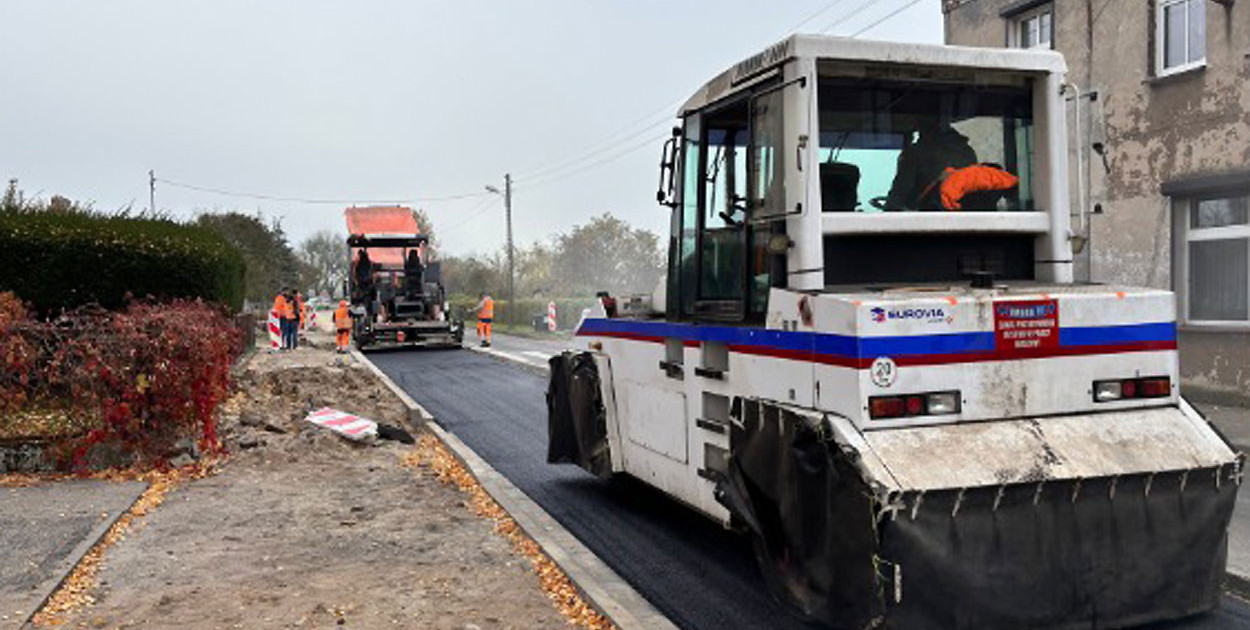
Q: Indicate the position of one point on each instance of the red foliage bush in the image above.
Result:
(143, 378)
(16, 353)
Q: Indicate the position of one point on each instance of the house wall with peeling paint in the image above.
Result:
(1156, 132)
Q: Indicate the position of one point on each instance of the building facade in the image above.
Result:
(1159, 123)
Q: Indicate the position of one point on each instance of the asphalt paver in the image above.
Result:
(695, 572)
(44, 531)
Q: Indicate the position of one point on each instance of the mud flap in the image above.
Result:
(1101, 553)
(810, 516)
(576, 421)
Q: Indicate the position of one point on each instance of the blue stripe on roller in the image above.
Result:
(1111, 335)
(871, 347)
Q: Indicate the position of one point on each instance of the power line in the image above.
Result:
(893, 13)
(607, 144)
(574, 166)
(649, 141)
(813, 16)
(488, 204)
(566, 168)
(828, 28)
(578, 157)
(554, 175)
(266, 197)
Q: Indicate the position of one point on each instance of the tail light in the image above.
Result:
(931, 404)
(1132, 388)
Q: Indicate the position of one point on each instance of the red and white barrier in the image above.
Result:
(551, 316)
(345, 424)
(275, 332)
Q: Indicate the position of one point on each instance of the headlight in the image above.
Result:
(1107, 390)
(941, 403)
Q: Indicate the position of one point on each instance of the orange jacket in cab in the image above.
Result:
(970, 179)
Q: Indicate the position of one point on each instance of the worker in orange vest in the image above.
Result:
(290, 320)
(485, 314)
(279, 304)
(342, 327)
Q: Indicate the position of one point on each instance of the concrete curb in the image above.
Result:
(1237, 586)
(599, 584)
(75, 557)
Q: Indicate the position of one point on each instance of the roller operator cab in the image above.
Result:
(871, 357)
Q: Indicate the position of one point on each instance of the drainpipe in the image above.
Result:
(1081, 235)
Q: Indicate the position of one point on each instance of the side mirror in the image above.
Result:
(668, 168)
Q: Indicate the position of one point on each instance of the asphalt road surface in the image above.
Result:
(696, 573)
(44, 530)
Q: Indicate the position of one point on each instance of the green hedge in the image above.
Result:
(568, 310)
(56, 260)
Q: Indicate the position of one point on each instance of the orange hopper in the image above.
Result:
(380, 221)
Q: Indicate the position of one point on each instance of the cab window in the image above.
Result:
(924, 146)
(732, 187)
(721, 249)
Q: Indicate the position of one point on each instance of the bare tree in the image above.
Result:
(325, 253)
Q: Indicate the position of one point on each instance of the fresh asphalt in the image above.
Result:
(699, 575)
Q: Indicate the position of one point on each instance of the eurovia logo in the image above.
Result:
(931, 314)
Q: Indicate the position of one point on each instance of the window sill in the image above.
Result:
(1176, 75)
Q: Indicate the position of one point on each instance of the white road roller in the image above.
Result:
(870, 355)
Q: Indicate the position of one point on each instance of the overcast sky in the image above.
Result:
(376, 101)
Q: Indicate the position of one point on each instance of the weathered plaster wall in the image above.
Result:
(1213, 369)
(1154, 130)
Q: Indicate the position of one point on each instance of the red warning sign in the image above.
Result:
(1026, 325)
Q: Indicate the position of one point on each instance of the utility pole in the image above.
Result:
(506, 193)
(152, 192)
(507, 207)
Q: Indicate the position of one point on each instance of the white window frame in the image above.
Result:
(1014, 23)
(1184, 235)
(1161, 41)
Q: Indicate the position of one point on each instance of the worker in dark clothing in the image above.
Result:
(414, 274)
(362, 274)
(362, 270)
(363, 286)
(922, 163)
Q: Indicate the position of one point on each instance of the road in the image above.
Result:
(700, 576)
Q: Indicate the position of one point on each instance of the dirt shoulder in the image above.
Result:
(301, 529)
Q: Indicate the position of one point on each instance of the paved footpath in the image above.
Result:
(44, 530)
(697, 574)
